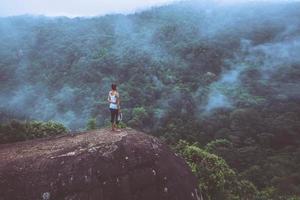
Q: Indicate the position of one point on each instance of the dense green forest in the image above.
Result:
(219, 83)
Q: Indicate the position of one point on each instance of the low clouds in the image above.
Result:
(73, 8)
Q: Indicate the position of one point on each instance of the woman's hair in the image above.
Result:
(113, 86)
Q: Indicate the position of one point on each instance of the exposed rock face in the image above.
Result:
(100, 165)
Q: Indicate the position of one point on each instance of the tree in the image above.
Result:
(139, 116)
(216, 179)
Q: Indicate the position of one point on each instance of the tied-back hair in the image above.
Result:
(114, 86)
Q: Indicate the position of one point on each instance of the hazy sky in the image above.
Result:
(74, 8)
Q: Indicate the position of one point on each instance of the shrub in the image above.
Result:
(23, 130)
(139, 116)
(215, 178)
(91, 124)
(122, 125)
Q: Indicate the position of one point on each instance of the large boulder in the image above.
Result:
(100, 165)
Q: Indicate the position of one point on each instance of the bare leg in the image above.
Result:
(113, 126)
(117, 127)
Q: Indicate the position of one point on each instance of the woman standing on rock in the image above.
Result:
(114, 105)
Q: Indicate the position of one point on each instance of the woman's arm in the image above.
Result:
(118, 100)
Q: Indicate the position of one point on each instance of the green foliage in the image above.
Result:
(19, 131)
(122, 125)
(166, 62)
(239, 94)
(271, 193)
(225, 149)
(139, 117)
(216, 179)
(216, 144)
(91, 124)
(139, 113)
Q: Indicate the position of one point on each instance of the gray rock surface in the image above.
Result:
(99, 164)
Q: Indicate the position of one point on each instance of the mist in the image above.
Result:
(61, 69)
(79, 8)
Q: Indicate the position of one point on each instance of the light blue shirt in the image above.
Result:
(113, 98)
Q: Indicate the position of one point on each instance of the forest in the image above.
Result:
(219, 83)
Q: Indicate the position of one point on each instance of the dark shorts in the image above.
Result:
(114, 115)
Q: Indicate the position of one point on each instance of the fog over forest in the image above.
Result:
(61, 69)
(218, 82)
